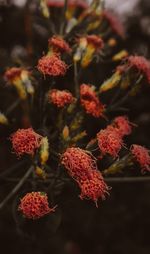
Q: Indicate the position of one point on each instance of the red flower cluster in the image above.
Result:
(35, 205)
(115, 24)
(94, 188)
(96, 41)
(110, 141)
(123, 125)
(25, 141)
(78, 163)
(52, 65)
(60, 98)
(142, 156)
(71, 3)
(141, 64)
(90, 101)
(83, 169)
(59, 45)
(12, 73)
(138, 63)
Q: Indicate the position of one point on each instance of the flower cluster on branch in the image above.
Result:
(65, 124)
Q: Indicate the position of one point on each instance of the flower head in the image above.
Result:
(34, 205)
(142, 156)
(82, 168)
(25, 141)
(13, 73)
(90, 101)
(78, 163)
(141, 64)
(52, 65)
(137, 63)
(95, 40)
(110, 141)
(59, 45)
(123, 125)
(114, 23)
(94, 188)
(60, 98)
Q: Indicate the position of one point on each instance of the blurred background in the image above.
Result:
(121, 224)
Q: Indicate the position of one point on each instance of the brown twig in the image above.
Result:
(16, 188)
(135, 179)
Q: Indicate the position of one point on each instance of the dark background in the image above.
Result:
(121, 224)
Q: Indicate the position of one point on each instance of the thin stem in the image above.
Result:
(76, 79)
(119, 103)
(45, 181)
(128, 179)
(116, 95)
(16, 188)
(102, 4)
(124, 99)
(51, 26)
(10, 170)
(12, 107)
(63, 17)
(107, 179)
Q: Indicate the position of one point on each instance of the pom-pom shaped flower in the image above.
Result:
(94, 188)
(123, 125)
(141, 64)
(142, 156)
(110, 141)
(78, 163)
(136, 63)
(82, 168)
(25, 141)
(52, 65)
(34, 205)
(87, 91)
(114, 23)
(59, 45)
(90, 101)
(60, 98)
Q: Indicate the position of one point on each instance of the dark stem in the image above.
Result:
(16, 188)
(107, 179)
(12, 107)
(124, 99)
(76, 79)
(64, 17)
(128, 179)
(119, 103)
(10, 170)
